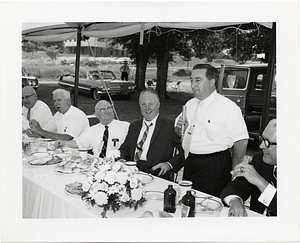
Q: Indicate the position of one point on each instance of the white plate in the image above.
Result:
(154, 195)
(71, 194)
(145, 178)
(40, 155)
(37, 163)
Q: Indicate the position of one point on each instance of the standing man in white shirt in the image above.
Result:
(213, 125)
(33, 108)
(94, 137)
(257, 179)
(67, 123)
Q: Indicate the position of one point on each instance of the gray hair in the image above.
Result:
(150, 91)
(66, 94)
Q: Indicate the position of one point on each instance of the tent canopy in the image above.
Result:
(51, 32)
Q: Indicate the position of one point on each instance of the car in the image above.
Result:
(245, 85)
(96, 87)
(27, 79)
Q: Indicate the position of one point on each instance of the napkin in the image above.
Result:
(39, 172)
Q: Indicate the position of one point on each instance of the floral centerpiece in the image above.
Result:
(112, 185)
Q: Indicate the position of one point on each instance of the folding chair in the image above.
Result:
(176, 87)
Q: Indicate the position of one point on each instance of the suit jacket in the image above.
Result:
(241, 187)
(162, 144)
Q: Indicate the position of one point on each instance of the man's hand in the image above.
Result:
(59, 144)
(163, 166)
(31, 133)
(35, 126)
(247, 170)
(237, 208)
(179, 125)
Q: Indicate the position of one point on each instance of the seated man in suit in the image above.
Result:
(151, 141)
(256, 179)
(103, 137)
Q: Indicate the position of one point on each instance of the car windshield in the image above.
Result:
(105, 74)
(235, 79)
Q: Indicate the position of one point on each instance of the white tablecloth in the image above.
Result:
(44, 197)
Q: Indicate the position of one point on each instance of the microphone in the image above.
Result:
(184, 118)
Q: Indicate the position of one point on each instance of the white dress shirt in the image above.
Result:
(149, 136)
(74, 122)
(219, 124)
(92, 137)
(40, 112)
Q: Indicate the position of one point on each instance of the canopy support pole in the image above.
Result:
(77, 64)
(270, 79)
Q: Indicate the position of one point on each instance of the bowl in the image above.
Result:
(40, 155)
(208, 207)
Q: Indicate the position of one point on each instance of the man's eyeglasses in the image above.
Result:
(27, 97)
(266, 142)
(106, 109)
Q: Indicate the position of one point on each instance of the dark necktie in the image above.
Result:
(28, 114)
(140, 144)
(105, 138)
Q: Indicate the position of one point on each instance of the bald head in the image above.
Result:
(29, 97)
(101, 104)
(271, 129)
(104, 112)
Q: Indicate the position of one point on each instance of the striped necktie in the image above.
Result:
(274, 177)
(139, 146)
(105, 139)
(28, 114)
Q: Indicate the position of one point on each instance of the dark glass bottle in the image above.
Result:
(188, 207)
(169, 199)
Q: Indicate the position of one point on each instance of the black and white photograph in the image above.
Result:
(131, 112)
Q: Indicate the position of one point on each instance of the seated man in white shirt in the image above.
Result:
(257, 179)
(95, 137)
(68, 122)
(33, 108)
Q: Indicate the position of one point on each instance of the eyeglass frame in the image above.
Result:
(27, 96)
(266, 141)
(102, 110)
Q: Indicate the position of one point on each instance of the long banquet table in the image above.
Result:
(45, 197)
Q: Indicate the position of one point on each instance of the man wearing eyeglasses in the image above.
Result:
(103, 137)
(257, 179)
(33, 108)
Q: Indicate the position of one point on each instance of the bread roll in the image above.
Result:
(147, 214)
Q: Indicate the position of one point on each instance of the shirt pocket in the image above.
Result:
(212, 130)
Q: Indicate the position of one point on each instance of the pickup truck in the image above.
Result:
(245, 85)
(98, 84)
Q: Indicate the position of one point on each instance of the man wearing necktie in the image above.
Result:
(33, 108)
(151, 141)
(257, 179)
(213, 125)
(103, 137)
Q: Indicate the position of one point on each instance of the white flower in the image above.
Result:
(100, 176)
(136, 194)
(103, 186)
(110, 177)
(113, 153)
(116, 166)
(104, 167)
(133, 182)
(124, 197)
(100, 198)
(121, 177)
(113, 189)
(86, 186)
(121, 189)
(96, 187)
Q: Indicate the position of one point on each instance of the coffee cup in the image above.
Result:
(132, 166)
(185, 186)
(83, 153)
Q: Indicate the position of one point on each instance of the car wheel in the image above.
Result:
(95, 94)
